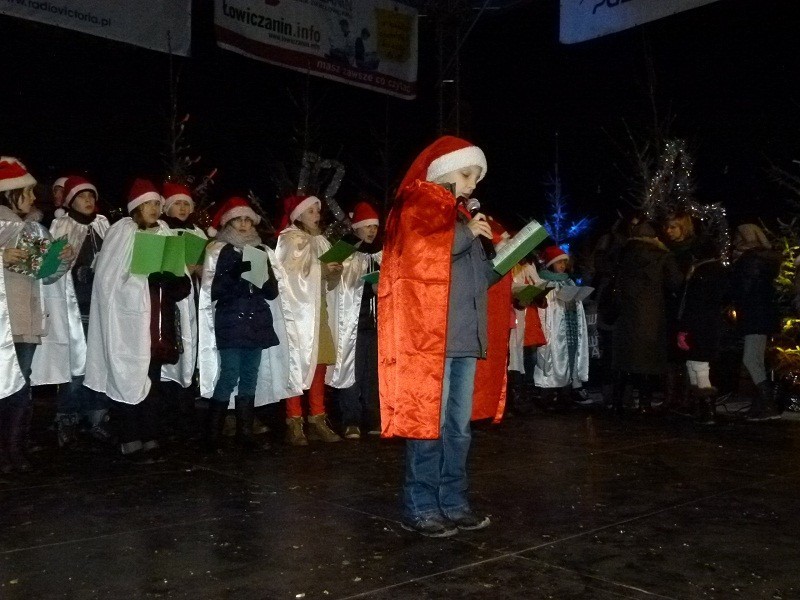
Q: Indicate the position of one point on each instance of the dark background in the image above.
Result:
(725, 76)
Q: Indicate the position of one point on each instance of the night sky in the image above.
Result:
(725, 73)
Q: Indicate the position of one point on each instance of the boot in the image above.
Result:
(245, 415)
(318, 429)
(763, 407)
(67, 429)
(294, 432)
(99, 425)
(212, 425)
(17, 425)
(30, 444)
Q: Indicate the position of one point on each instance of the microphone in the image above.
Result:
(474, 207)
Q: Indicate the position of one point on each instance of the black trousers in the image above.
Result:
(359, 403)
(139, 423)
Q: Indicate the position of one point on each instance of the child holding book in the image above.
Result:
(134, 329)
(61, 358)
(22, 318)
(356, 373)
(304, 291)
(564, 360)
(243, 321)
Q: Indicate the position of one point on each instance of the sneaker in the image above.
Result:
(469, 521)
(436, 527)
(352, 432)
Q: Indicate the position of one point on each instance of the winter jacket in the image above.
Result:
(647, 272)
(753, 292)
(702, 304)
(242, 318)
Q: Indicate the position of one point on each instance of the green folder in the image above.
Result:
(337, 253)
(529, 293)
(158, 253)
(371, 277)
(195, 246)
(51, 261)
(518, 247)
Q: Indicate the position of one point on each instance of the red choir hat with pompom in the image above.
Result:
(553, 254)
(13, 174)
(176, 191)
(232, 208)
(364, 215)
(294, 206)
(142, 190)
(445, 155)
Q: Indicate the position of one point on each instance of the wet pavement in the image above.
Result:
(583, 505)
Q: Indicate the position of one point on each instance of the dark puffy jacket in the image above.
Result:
(753, 292)
(704, 297)
(242, 318)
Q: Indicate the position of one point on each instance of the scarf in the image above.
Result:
(79, 217)
(176, 223)
(551, 276)
(230, 236)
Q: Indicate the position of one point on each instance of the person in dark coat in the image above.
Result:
(242, 323)
(646, 273)
(754, 270)
(701, 322)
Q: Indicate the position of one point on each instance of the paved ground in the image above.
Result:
(583, 506)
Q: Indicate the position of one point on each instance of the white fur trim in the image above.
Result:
(556, 259)
(59, 182)
(60, 212)
(303, 207)
(15, 183)
(458, 159)
(212, 232)
(171, 199)
(239, 211)
(77, 190)
(365, 223)
(146, 197)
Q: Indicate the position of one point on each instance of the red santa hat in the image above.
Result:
(142, 190)
(176, 191)
(232, 208)
(364, 215)
(59, 182)
(74, 185)
(13, 174)
(294, 206)
(445, 155)
(553, 254)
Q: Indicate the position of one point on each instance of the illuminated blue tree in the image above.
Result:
(558, 224)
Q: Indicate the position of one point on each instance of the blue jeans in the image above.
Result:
(237, 366)
(436, 470)
(22, 398)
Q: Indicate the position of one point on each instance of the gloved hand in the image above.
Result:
(683, 342)
(242, 267)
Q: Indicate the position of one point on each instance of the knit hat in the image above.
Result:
(142, 191)
(74, 185)
(750, 235)
(553, 254)
(13, 174)
(59, 182)
(364, 215)
(176, 191)
(294, 206)
(445, 155)
(232, 208)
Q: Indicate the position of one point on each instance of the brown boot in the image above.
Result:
(294, 432)
(318, 429)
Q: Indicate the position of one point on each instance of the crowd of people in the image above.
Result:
(265, 317)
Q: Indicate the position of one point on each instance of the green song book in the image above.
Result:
(518, 247)
(530, 293)
(337, 253)
(371, 277)
(158, 254)
(195, 247)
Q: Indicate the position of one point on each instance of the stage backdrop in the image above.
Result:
(586, 19)
(367, 43)
(139, 23)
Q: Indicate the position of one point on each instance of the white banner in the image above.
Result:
(366, 43)
(587, 19)
(137, 22)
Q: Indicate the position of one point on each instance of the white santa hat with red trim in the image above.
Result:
(234, 207)
(364, 215)
(174, 192)
(142, 190)
(13, 174)
(74, 185)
